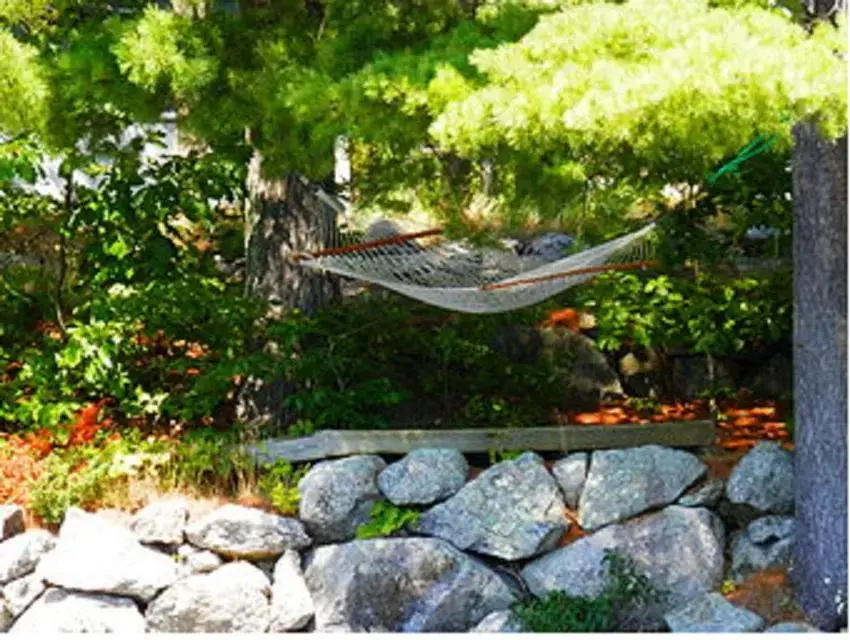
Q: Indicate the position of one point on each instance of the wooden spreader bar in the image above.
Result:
(361, 246)
(625, 266)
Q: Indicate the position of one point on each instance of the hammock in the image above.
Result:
(461, 277)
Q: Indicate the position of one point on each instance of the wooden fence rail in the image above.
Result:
(330, 444)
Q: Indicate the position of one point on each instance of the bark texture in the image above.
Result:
(284, 217)
(820, 375)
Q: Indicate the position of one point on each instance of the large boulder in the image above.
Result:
(424, 476)
(712, 613)
(21, 593)
(767, 542)
(11, 521)
(235, 531)
(625, 482)
(95, 555)
(575, 359)
(20, 555)
(763, 481)
(161, 522)
(292, 604)
(233, 598)
(60, 611)
(336, 497)
(409, 585)
(679, 549)
(571, 474)
(513, 510)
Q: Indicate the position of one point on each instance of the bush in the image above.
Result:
(627, 592)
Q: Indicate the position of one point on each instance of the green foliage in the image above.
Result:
(359, 360)
(69, 480)
(502, 455)
(24, 90)
(627, 592)
(707, 314)
(386, 519)
(278, 482)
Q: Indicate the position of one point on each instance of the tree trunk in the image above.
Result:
(283, 217)
(820, 375)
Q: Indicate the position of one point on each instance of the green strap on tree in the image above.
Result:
(758, 145)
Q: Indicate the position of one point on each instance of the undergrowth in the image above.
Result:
(386, 519)
(626, 595)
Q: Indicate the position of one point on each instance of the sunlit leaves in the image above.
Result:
(24, 91)
(668, 81)
(164, 48)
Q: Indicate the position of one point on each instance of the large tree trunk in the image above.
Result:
(283, 217)
(820, 375)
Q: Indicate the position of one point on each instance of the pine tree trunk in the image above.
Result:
(820, 375)
(283, 217)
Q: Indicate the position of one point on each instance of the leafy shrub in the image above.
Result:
(279, 484)
(708, 314)
(386, 519)
(627, 592)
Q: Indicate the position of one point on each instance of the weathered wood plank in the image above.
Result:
(329, 444)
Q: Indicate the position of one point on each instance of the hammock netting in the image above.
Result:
(462, 277)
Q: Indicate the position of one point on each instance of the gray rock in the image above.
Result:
(11, 521)
(6, 617)
(161, 522)
(549, 246)
(60, 611)
(95, 555)
(424, 476)
(679, 549)
(337, 497)
(764, 480)
(20, 555)
(194, 560)
(712, 613)
(234, 531)
(579, 366)
(292, 604)
(571, 473)
(707, 494)
(625, 482)
(767, 542)
(407, 584)
(498, 622)
(233, 598)
(21, 593)
(770, 528)
(513, 510)
(792, 627)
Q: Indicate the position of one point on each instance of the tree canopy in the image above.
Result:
(576, 104)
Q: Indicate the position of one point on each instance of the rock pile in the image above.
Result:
(479, 546)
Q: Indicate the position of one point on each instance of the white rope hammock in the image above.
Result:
(461, 277)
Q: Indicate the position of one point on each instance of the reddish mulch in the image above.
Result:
(768, 593)
(741, 422)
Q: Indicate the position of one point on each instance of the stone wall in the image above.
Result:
(479, 545)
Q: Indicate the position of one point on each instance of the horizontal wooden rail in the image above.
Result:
(361, 246)
(330, 444)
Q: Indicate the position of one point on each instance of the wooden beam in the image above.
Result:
(330, 444)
